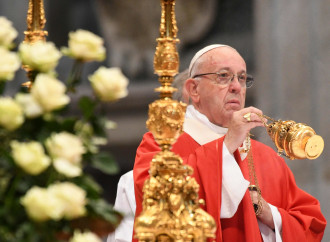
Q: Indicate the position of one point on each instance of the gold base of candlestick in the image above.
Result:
(170, 204)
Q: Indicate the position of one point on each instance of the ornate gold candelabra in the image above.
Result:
(294, 140)
(171, 209)
(36, 21)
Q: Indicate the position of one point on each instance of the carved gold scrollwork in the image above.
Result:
(166, 121)
(166, 61)
(170, 206)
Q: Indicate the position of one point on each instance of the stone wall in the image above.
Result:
(292, 68)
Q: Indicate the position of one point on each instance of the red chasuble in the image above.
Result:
(302, 219)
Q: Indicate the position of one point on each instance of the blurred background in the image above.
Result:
(286, 45)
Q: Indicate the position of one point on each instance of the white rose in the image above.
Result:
(67, 168)
(49, 92)
(40, 56)
(30, 157)
(109, 84)
(9, 64)
(7, 33)
(85, 46)
(67, 146)
(73, 199)
(30, 106)
(66, 149)
(11, 114)
(84, 237)
(41, 205)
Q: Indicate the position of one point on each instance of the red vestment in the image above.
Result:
(302, 219)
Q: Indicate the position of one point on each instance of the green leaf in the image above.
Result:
(4, 181)
(68, 124)
(105, 163)
(87, 106)
(92, 188)
(101, 208)
(99, 126)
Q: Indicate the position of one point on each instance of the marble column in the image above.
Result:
(292, 52)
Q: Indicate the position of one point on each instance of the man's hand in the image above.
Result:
(266, 215)
(240, 126)
(242, 122)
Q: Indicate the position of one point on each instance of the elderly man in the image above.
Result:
(247, 187)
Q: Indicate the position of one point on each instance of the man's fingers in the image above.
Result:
(254, 196)
(252, 114)
(253, 117)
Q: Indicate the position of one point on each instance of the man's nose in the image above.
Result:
(234, 84)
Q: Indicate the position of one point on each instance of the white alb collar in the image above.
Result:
(199, 127)
(192, 113)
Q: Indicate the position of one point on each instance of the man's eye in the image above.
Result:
(242, 77)
(224, 75)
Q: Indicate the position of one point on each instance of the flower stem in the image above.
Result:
(2, 87)
(75, 75)
(11, 193)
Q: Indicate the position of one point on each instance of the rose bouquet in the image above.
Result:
(45, 192)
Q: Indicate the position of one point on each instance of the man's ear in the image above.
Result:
(191, 86)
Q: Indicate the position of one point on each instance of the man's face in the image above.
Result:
(215, 101)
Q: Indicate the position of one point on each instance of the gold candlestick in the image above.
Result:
(171, 209)
(36, 21)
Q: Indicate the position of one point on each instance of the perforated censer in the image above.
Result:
(294, 140)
